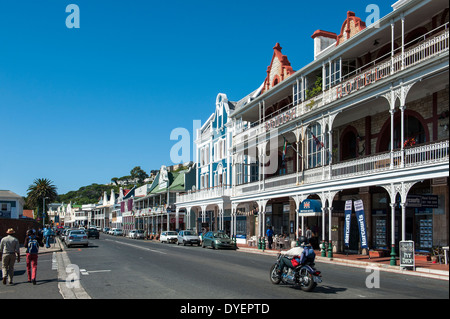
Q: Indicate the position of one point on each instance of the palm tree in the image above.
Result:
(40, 189)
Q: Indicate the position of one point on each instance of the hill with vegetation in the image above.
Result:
(91, 194)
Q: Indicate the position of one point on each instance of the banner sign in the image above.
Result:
(359, 210)
(348, 218)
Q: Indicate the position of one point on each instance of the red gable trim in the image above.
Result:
(284, 72)
(359, 25)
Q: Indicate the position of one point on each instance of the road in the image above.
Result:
(121, 268)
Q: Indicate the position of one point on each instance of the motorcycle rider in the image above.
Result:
(286, 260)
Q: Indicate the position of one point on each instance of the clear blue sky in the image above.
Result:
(80, 106)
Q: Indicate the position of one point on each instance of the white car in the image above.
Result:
(117, 232)
(136, 234)
(169, 237)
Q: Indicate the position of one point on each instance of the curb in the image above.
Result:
(69, 283)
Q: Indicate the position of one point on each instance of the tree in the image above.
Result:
(139, 174)
(40, 189)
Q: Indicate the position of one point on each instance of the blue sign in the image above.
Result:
(359, 209)
(310, 206)
(348, 218)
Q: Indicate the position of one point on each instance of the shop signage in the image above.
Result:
(348, 218)
(422, 201)
(310, 206)
(281, 119)
(406, 252)
(359, 82)
(359, 210)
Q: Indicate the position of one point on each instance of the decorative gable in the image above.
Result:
(351, 26)
(278, 70)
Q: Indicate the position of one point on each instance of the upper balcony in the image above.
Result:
(204, 194)
(421, 156)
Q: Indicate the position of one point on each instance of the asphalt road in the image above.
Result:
(121, 268)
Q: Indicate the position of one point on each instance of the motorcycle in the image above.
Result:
(305, 276)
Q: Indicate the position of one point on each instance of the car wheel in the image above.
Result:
(184, 243)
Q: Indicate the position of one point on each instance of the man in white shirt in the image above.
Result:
(9, 247)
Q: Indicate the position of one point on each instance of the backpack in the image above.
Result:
(309, 254)
(33, 246)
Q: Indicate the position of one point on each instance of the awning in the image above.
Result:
(310, 207)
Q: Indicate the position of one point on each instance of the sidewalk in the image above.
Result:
(423, 268)
(56, 246)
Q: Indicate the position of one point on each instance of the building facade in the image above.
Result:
(366, 121)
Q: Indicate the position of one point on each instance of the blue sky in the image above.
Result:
(80, 106)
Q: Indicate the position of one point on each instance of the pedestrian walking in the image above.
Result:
(9, 247)
(48, 234)
(269, 235)
(32, 244)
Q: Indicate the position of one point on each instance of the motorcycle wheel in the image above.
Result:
(308, 283)
(274, 279)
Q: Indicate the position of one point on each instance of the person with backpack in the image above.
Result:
(32, 243)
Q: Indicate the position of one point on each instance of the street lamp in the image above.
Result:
(43, 210)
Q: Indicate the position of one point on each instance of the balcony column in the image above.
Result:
(177, 223)
(393, 259)
(188, 218)
(392, 111)
(402, 135)
(403, 41)
(392, 46)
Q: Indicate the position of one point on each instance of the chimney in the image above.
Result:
(322, 40)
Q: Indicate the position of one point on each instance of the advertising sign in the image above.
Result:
(406, 251)
(348, 218)
(359, 210)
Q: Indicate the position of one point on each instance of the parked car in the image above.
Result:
(188, 237)
(169, 237)
(64, 233)
(217, 240)
(105, 230)
(111, 231)
(76, 237)
(136, 234)
(117, 232)
(93, 232)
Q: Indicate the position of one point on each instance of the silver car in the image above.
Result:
(76, 237)
(188, 237)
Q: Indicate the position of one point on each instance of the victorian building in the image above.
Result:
(365, 121)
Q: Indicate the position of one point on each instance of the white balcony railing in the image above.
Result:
(430, 45)
(203, 194)
(417, 156)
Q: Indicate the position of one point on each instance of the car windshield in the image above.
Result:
(172, 233)
(221, 235)
(77, 232)
(189, 233)
(140, 231)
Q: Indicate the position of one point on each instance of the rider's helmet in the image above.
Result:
(303, 240)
